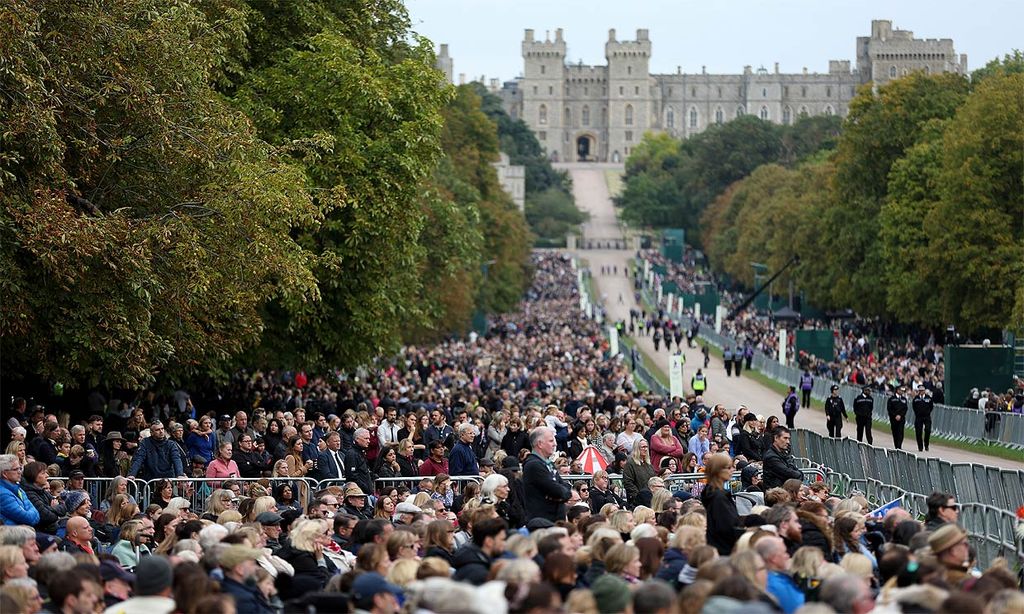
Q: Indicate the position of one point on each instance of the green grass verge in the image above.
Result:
(614, 180)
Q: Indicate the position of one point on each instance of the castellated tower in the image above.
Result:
(629, 93)
(543, 93)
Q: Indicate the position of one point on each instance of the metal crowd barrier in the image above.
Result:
(412, 483)
(959, 423)
(987, 495)
(198, 490)
(97, 489)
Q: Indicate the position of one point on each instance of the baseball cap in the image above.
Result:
(269, 518)
(76, 474)
(407, 508)
(370, 584)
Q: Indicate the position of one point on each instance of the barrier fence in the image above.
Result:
(987, 495)
(958, 423)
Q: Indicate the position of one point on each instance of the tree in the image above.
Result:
(143, 223)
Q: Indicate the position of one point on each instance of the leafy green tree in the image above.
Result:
(878, 130)
(553, 213)
(1011, 63)
(143, 223)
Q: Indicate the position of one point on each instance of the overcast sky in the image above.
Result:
(484, 36)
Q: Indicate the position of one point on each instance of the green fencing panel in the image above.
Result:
(673, 244)
(659, 269)
(669, 286)
(818, 343)
(709, 300)
(974, 366)
(689, 300)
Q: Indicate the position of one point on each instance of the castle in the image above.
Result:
(599, 113)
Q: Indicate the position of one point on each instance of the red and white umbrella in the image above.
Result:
(591, 460)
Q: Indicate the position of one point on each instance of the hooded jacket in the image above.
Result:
(471, 564)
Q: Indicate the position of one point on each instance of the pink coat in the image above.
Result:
(660, 449)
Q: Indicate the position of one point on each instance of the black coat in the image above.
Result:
(599, 499)
(545, 491)
(748, 445)
(471, 564)
(48, 515)
(779, 467)
(514, 441)
(723, 519)
(358, 470)
(309, 577)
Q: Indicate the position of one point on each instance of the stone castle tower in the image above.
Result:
(599, 113)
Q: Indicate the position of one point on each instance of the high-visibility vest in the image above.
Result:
(698, 383)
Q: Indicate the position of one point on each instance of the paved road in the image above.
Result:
(591, 192)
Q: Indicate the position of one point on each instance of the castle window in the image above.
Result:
(629, 135)
(542, 135)
(764, 92)
(585, 91)
(787, 116)
(803, 111)
(828, 110)
(764, 113)
(566, 90)
(853, 90)
(719, 92)
(636, 90)
(629, 70)
(622, 90)
(629, 115)
(828, 92)
(719, 115)
(669, 91)
(534, 90)
(803, 91)
(586, 115)
(892, 72)
(693, 92)
(785, 91)
(693, 117)
(568, 116)
(670, 118)
(604, 116)
(542, 114)
(739, 111)
(542, 69)
(927, 70)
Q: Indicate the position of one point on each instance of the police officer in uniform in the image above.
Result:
(897, 409)
(923, 407)
(863, 405)
(699, 383)
(835, 411)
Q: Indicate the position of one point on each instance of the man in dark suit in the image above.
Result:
(546, 492)
(330, 465)
(357, 469)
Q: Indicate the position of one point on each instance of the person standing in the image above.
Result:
(790, 405)
(329, 465)
(727, 359)
(779, 464)
(157, 457)
(546, 491)
(462, 459)
(835, 411)
(897, 408)
(357, 469)
(723, 521)
(699, 382)
(806, 385)
(707, 354)
(923, 407)
(863, 406)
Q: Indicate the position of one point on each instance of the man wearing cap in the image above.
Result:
(546, 491)
(355, 503)
(405, 513)
(372, 594)
(835, 411)
(117, 583)
(611, 593)
(157, 457)
(923, 408)
(153, 594)
(897, 408)
(238, 563)
(270, 522)
(863, 406)
(950, 547)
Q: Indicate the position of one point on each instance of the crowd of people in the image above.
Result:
(516, 471)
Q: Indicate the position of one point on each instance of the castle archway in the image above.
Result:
(586, 148)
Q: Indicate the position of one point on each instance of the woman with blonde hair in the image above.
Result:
(684, 540)
(807, 561)
(261, 504)
(521, 546)
(305, 553)
(384, 508)
(122, 510)
(623, 522)
(643, 515)
(751, 566)
(117, 486)
(403, 572)
(219, 500)
(12, 563)
(229, 516)
(722, 517)
(17, 448)
(24, 592)
(660, 498)
(858, 565)
(638, 471)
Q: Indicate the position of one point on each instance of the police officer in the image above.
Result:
(699, 383)
(806, 386)
(863, 405)
(897, 409)
(835, 411)
(923, 407)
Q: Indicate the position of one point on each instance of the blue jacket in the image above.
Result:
(784, 588)
(248, 599)
(671, 565)
(462, 460)
(201, 445)
(157, 460)
(15, 507)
